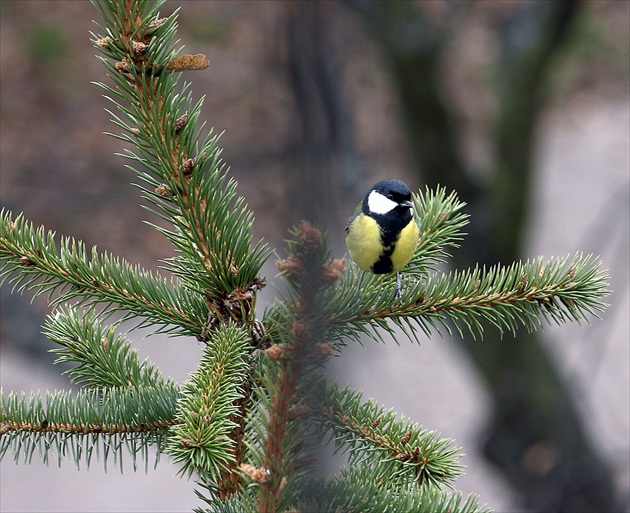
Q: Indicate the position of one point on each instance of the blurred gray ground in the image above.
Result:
(581, 202)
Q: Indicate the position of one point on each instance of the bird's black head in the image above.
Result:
(389, 203)
(387, 196)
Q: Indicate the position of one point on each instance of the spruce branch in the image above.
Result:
(406, 452)
(207, 440)
(30, 259)
(296, 349)
(106, 422)
(360, 490)
(523, 294)
(182, 174)
(103, 359)
(440, 220)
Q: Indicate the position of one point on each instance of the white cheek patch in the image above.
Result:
(379, 204)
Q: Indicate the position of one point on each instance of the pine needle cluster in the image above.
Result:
(248, 423)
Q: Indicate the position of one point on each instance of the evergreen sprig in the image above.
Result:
(180, 171)
(406, 452)
(96, 422)
(103, 359)
(30, 259)
(211, 408)
(523, 294)
(440, 219)
(360, 490)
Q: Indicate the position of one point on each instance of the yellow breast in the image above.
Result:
(405, 246)
(365, 246)
(364, 242)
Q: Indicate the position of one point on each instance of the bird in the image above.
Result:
(382, 234)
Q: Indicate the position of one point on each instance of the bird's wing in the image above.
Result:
(350, 222)
(354, 215)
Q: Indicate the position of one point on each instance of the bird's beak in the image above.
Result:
(407, 204)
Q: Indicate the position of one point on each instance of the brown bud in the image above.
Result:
(181, 121)
(308, 235)
(323, 349)
(157, 22)
(258, 475)
(300, 330)
(123, 65)
(139, 47)
(188, 62)
(332, 271)
(103, 42)
(188, 166)
(290, 266)
(162, 190)
(240, 294)
(276, 352)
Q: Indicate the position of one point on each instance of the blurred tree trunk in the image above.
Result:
(536, 437)
(323, 153)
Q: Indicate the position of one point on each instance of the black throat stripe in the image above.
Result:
(384, 264)
(390, 226)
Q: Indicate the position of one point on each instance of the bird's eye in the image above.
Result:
(390, 196)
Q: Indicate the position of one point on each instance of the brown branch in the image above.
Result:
(87, 285)
(151, 103)
(310, 272)
(45, 426)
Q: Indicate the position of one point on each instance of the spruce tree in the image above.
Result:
(253, 417)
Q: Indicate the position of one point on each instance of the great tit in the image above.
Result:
(382, 234)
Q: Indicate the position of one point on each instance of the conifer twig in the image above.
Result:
(30, 256)
(184, 177)
(93, 422)
(308, 257)
(406, 449)
(101, 357)
(207, 439)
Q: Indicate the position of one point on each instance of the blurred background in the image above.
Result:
(521, 106)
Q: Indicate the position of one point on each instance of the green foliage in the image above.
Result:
(440, 219)
(202, 440)
(404, 452)
(359, 490)
(180, 171)
(31, 260)
(99, 423)
(255, 412)
(103, 359)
